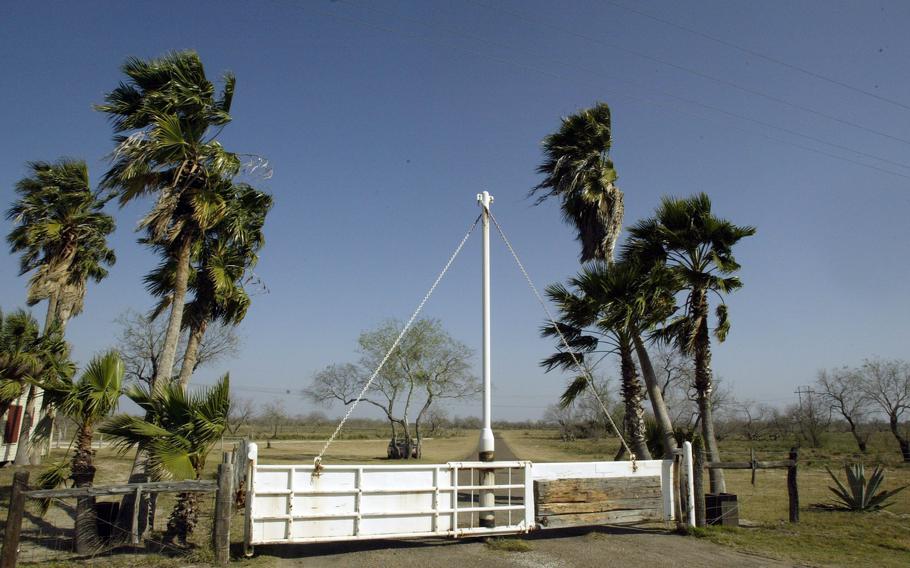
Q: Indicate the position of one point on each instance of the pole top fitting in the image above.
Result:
(485, 199)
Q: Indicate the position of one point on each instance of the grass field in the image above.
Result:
(822, 538)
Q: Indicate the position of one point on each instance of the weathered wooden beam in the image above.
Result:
(224, 498)
(792, 489)
(10, 553)
(589, 490)
(599, 506)
(604, 518)
(594, 501)
(200, 486)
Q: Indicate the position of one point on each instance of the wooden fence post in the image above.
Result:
(698, 478)
(10, 552)
(224, 497)
(792, 489)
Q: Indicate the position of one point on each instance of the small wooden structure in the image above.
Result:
(598, 501)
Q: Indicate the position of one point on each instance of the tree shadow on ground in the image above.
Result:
(316, 550)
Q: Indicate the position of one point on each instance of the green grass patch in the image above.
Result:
(509, 545)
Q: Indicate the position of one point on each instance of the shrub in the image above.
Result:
(860, 494)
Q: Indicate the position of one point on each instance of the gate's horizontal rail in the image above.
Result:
(189, 486)
(476, 531)
(412, 467)
(381, 514)
(387, 491)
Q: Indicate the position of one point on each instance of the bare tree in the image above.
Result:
(753, 419)
(843, 389)
(141, 342)
(240, 415)
(275, 416)
(437, 418)
(565, 418)
(887, 383)
(427, 366)
(812, 416)
(676, 375)
(780, 425)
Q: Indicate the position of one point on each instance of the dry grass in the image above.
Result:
(509, 545)
(435, 450)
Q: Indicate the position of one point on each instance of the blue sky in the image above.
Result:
(383, 120)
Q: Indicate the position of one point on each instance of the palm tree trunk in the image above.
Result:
(704, 388)
(172, 337)
(183, 519)
(661, 414)
(191, 354)
(34, 453)
(25, 432)
(51, 315)
(631, 393)
(83, 472)
(25, 437)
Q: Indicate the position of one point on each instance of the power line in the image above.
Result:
(698, 73)
(633, 99)
(760, 55)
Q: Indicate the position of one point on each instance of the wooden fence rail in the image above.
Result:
(125, 489)
(789, 464)
(223, 488)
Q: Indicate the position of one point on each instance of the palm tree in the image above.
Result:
(697, 247)
(579, 171)
(167, 118)
(27, 355)
(591, 330)
(87, 402)
(629, 299)
(61, 233)
(177, 433)
(221, 262)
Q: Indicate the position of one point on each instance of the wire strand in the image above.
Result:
(583, 369)
(391, 350)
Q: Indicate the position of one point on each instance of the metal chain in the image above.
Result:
(318, 459)
(584, 370)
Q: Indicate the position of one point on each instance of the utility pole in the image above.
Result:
(487, 442)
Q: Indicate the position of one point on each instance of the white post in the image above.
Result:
(487, 443)
(690, 485)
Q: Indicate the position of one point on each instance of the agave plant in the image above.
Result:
(861, 494)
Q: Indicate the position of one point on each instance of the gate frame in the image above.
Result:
(669, 469)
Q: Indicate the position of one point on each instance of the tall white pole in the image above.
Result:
(486, 436)
(487, 442)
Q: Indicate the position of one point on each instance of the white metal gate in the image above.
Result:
(288, 504)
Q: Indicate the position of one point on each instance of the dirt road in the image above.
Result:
(549, 549)
(598, 546)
